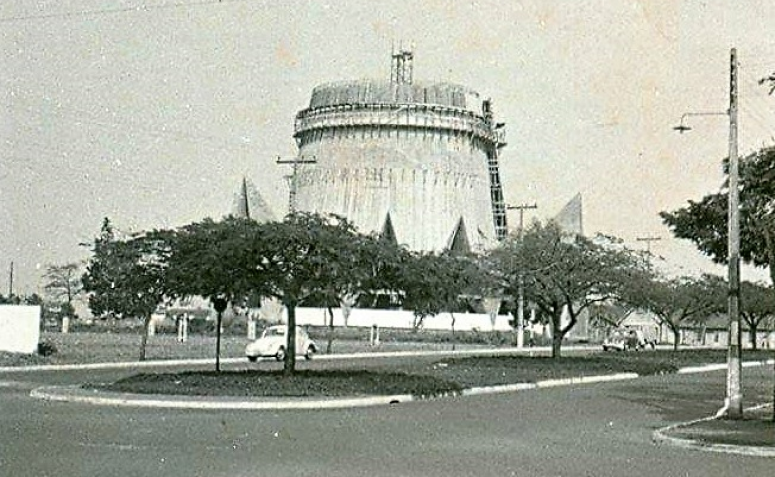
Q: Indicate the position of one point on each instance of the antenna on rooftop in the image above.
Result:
(402, 66)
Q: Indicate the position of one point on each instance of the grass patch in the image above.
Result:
(489, 371)
(494, 370)
(756, 429)
(92, 347)
(21, 359)
(423, 377)
(273, 383)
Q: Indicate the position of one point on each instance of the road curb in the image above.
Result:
(77, 394)
(80, 395)
(661, 436)
(720, 366)
(324, 357)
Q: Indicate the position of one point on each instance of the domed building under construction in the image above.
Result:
(416, 162)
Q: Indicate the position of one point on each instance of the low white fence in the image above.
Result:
(363, 317)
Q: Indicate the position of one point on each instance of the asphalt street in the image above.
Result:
(581, 430)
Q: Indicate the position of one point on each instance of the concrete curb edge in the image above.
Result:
(660, 436)
(76, 394)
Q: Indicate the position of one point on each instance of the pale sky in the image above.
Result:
(152, 115)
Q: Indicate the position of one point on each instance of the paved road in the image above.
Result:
(590, 430)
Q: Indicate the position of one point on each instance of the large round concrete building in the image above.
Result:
(417, 162)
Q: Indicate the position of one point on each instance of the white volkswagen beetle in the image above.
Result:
(272, 344)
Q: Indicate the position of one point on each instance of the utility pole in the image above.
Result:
(648, 241)
(521, 277)
(734, 400)
(10, 282)
(733, 404)
(292, 189)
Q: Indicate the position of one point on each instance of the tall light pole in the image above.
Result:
(521, 277)
(733, 404)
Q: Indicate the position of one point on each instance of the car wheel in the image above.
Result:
(280, 355)
(310, 352)
(252, 359)
(605, 348)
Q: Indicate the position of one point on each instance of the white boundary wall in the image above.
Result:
(400, 319)
(19, 328)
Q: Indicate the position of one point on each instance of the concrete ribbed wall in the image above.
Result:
(424, 164)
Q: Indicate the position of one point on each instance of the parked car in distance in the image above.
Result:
(272, 344)
(627, 339)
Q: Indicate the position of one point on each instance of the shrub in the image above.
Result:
(46, 348)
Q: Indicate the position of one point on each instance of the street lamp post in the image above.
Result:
(733, 404)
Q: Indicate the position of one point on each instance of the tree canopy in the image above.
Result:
(758, 306)
(704, 222)
(566, 273)
(64, 284)
(681, 301)
(126, 277)
(434, 282)
(304, 256)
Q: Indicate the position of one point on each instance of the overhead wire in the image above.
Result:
(115, 10)
(757, 106)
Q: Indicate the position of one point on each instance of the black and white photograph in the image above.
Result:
(387, 238)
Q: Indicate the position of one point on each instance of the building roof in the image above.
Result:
(384, 92)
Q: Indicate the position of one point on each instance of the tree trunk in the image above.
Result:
(144, 340)
(557, 335)
(218, 322)
(329, 345)
(289, 366)
(453, 330)
(556, 346)
(676, 337)
(752, 331)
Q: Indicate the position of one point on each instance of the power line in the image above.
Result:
(113, 11)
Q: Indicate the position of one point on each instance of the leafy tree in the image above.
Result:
(126, 277)
(705, 222)
(307, 255)
(681, 301)
(564, 272)
(422, 284)
(64, 284)
(303, 257)
(432, 283)
(365, 263)
(214, 259)
(757, 305)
